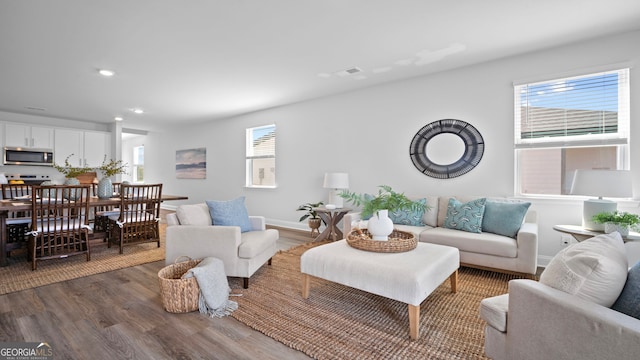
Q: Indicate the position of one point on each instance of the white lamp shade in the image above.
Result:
(602, 183)
(336, 181)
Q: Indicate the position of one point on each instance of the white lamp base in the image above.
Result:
(335, 199)
(592, 207)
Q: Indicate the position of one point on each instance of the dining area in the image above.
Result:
(48, 222)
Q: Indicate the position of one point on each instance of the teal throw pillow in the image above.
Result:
(230, 213)
(629, 300)
(408, 216)
(465, 217)
(504, 218)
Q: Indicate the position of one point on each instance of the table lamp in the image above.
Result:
(336, 182)
(600, 183)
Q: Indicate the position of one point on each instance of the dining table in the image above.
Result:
(11, 205)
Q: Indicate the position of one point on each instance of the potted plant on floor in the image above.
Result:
(377, 207)
(312, 215)
(618, 221)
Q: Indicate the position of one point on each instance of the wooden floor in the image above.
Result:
(118, 315)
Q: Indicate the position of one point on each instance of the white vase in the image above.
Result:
(621, 228)
(105, 188)
(71, 194)
(380, 226)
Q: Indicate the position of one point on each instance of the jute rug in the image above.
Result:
(338, 322)
(18, 275)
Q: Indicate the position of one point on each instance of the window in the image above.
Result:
(138, 164)
(566, 124)
(261, 156)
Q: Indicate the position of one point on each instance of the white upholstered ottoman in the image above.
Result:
(408, 277)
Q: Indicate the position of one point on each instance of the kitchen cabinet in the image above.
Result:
(21, 135)
(84, 148)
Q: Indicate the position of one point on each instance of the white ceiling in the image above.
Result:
(201, 60)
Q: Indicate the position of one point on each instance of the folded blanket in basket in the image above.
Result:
(214, 288)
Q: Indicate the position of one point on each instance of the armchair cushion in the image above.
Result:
(196, 214)
(494, 311)
(594, 270)
(230, 213)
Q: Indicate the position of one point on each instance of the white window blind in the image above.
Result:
(571, 123)
(577, 111)
(261, 156)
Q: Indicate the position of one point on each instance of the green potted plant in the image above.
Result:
(617, 221)
(314, 220)
(377, 207)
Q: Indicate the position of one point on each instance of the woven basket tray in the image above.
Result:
(399, 241)
(179, 295)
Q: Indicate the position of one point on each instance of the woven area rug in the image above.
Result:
(338, 322)
(19, 276)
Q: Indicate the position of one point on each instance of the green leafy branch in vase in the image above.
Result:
(113, 167)
(70, 171)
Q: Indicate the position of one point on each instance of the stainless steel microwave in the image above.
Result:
(28, 156)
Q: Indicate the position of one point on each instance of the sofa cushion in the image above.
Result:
(484, 243)
(629, 300)
(504, 217)
(408, 216)
(494, 311)
(465, 216)
(196, 214)
(594, 270)
(230, 213)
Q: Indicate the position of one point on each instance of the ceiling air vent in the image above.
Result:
(349, 72)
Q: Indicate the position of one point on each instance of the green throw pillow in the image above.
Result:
(504, 218)
(465, 217)
(409, 217)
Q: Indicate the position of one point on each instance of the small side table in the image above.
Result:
(331, 217)
(580, 234)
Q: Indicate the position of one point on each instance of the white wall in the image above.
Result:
(367, 134)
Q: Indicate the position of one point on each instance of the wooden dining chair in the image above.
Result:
(18, 222)
(139, 215)
(59, 226)
(101, 223)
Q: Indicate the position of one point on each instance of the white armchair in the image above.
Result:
(191, 233)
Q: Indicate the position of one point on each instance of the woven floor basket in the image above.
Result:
(399, 241)
(179, 295)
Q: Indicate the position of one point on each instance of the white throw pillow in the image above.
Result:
(196, 214)
(594, 270)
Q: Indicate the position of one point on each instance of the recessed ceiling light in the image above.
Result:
(138, 111)
(106, 72)
(118, 118)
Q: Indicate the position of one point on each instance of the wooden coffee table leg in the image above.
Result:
(306, 283)
(414, 321)
(454, 282)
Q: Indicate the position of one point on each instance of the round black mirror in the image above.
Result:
(447, 132)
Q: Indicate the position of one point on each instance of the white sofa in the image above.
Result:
(190, 233)
(481, 250)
